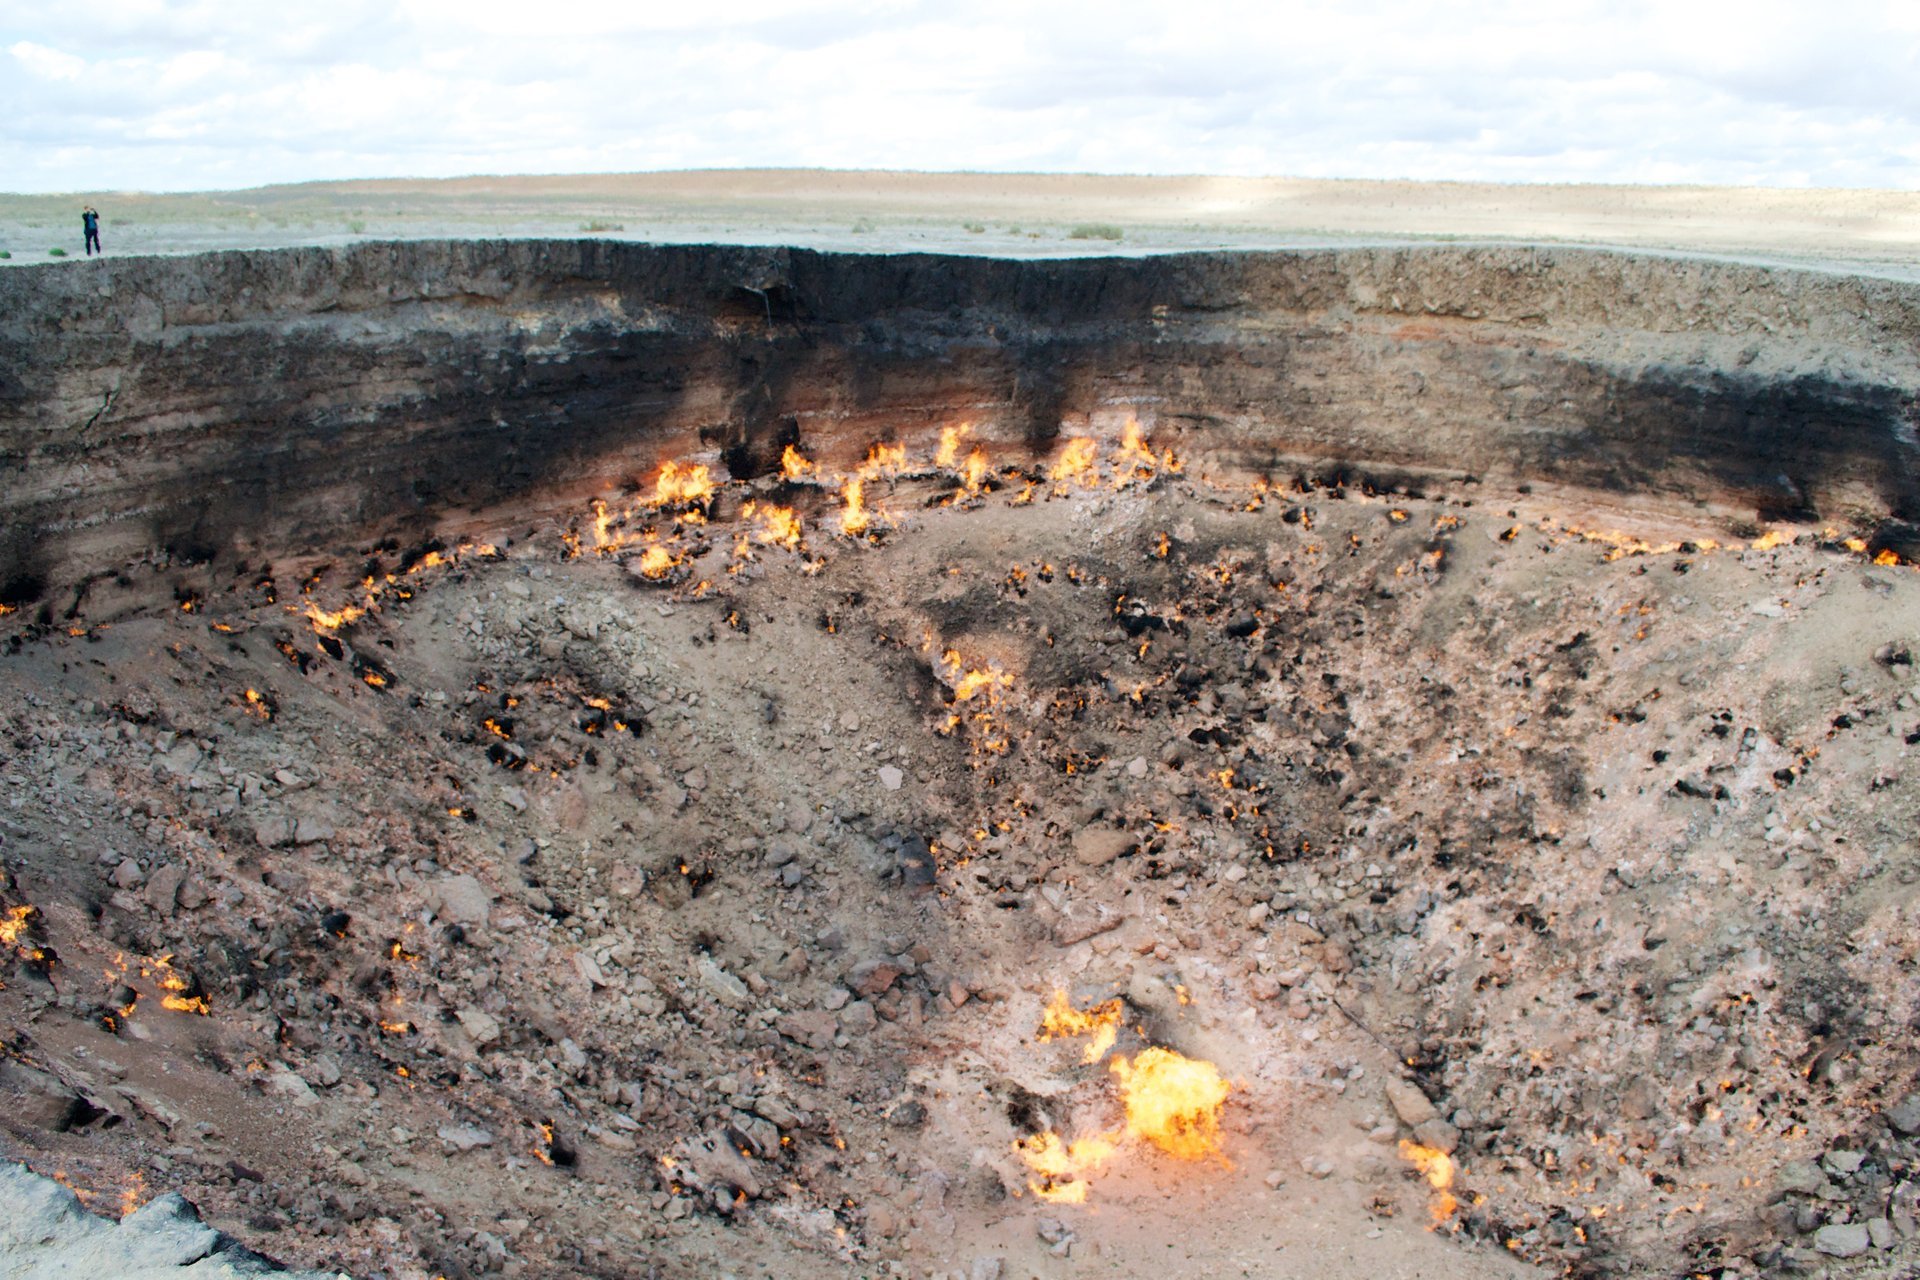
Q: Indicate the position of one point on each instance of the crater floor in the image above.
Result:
(598, 903)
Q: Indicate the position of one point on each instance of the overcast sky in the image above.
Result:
(158, 95)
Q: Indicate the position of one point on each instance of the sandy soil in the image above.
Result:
(1018, 214)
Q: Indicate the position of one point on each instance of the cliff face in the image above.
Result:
(245, 404)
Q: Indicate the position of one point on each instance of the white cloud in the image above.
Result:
(200, 93)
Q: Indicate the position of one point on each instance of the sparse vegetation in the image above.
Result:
(977, 228)
(1095, 231)
(356, 225)
(862, 227)
(596, 224)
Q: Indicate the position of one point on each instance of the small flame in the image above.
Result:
(1770, 539)
(14, 924)
(1437, 1167)
(794, 465)
(1102, 1022)
(856, 518)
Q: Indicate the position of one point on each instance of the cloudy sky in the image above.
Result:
(197, 94)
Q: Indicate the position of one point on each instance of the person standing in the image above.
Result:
(90, 223)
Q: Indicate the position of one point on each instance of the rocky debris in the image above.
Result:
(1904, 1115)
(462, 900)
(45, 1233)
(464, 1137)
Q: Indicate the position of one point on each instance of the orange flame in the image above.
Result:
(794, 465)
(1437, 1167)
(1770, 539)
(14, 923)
(1074, 462)
(855, 520)
(1101, 1022)
(949, 450)
(1172, 1102)
(683, 486)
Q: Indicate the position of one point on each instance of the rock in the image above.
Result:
(987, 1269)
(325, 1071)
(1842, 1164)
(1842, 1240)
(891, 778)
(1880, 1232)
(464, 1137)
(285, 1084)
(1904, 1115)
(1097, 846)
(1079, 924)
(163, 888)
(273, 831)
(858, 1018)
(1438, 1134)
(1409, 1103)
(312, 829)
(45, 1232)
(589, 969)
(874, 977)
(721, 985)
(515, 798)
(462, 900)
(481, 1027)
(814, 1028)
(1802, 1177)
(127, 875)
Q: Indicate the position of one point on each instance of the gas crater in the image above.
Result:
(559, 759)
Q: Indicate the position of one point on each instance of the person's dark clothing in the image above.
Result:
(90, 222)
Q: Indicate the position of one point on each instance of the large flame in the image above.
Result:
(794, 464)
(1171, 1101)
(14, 923)
(679, 485)
(1074, 463)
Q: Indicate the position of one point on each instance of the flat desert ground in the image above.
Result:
(1023, 215)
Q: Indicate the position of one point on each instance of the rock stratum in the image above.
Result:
(297, 398)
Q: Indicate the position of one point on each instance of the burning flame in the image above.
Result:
(1075, 462)
(1171, 1101)
(1102, 1022)
(1135, 461)
(657, 562)
(1770, 539)
(950, 438)
(690, 486)
(179, 995)
(14, 923)
(794, 465)
(855, 519)
(1437, 1167)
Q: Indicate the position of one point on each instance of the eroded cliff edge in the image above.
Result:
(183, 410)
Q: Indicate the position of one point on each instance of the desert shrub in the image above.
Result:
(595, 224)
(57, 253)
(1095, 231)
(977, 228)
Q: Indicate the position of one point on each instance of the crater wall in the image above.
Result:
(268, 402)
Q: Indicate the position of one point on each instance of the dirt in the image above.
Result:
(1590, 826)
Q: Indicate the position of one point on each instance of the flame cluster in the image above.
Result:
(1172, 1102)
(374, 588)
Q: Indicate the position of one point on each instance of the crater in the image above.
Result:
(578, 758)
